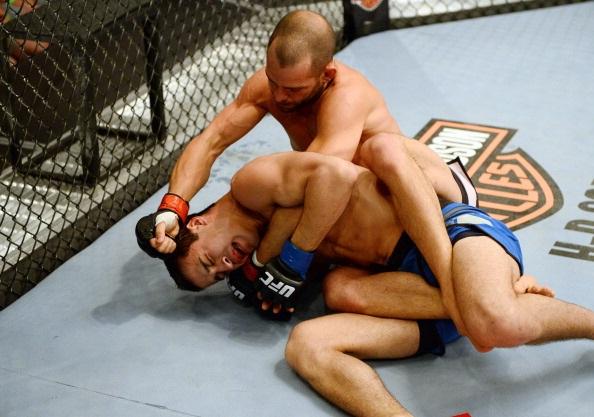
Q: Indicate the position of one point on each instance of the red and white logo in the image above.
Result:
(511, 186)
(367, 5)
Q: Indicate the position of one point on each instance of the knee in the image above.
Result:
(383, 151)
(341, 293)
(306, 349)
(498, 327)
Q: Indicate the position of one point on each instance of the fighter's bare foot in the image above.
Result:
(527, 284)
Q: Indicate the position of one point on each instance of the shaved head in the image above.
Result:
(303, 35)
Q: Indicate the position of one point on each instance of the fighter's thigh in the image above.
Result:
(483, 275)
(435, 170)
(362, 336)
(386, 294)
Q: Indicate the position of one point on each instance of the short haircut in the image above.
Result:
(183, 241)
(303, 34)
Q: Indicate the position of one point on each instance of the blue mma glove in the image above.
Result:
(282, 277)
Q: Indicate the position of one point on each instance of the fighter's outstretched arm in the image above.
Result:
(192, 169)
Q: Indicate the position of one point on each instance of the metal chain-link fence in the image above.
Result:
(99, 97)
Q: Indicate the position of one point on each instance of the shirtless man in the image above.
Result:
(348, 213)
(324, 106)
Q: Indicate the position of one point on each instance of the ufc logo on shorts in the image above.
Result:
(283, 289)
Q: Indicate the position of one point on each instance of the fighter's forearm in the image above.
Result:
(281, 227)
(192, 169)
(327, 193)
(321, 185)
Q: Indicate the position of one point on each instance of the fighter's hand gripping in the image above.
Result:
(242, 282)
(156, 232)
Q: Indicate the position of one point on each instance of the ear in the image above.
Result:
(195, 222)
(329, 71)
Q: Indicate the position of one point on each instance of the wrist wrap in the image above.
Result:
(173, 202)
(296, 259)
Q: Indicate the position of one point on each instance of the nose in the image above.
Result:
(280, 95)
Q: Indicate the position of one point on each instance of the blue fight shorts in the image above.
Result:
(461, 221)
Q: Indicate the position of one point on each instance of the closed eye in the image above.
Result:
(204, 266)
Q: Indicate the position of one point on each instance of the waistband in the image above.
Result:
(469, 193)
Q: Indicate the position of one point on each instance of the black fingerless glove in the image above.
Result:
(145, 231)
(281, 279)
(241, 282)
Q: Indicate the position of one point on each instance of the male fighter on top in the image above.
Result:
(348, 213)
(324, 106)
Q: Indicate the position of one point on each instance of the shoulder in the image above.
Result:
(350, 88)
(258, 183)
(255, 88)
(258, 170)
(351, 78)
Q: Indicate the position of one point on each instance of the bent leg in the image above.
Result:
(327, 352)
(400, 295)
(494, 314)
(416, 206)
(413, 197)
(435, 170)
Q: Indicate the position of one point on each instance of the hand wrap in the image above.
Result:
(174, 203)
(173, 209)
(145, 231)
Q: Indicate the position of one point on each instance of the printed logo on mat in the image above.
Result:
(512, 187)
(369, 5)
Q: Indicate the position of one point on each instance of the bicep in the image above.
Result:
(237, 119)
(272, 181)
(255, 186)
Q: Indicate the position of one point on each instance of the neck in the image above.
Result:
(243, 214)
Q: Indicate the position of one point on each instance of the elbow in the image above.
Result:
(342, 172)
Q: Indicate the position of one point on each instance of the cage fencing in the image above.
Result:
(98, 99)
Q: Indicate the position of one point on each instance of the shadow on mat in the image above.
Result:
(533, 381)
(145, 288)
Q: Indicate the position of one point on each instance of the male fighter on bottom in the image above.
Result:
(347, 213)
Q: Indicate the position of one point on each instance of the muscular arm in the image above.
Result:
(281, 227)
(321, 184)
(340, 123)
(192, 169)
